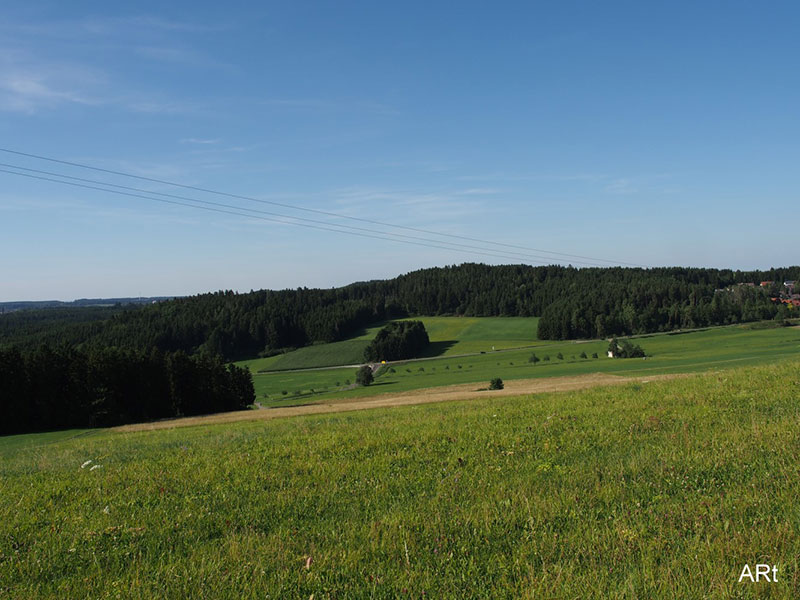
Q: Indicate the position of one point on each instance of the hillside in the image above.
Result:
(658, 490)
(676, 352)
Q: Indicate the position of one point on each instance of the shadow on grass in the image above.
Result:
(686, 332)
(438, 348)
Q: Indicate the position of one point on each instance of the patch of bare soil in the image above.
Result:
(467, 391)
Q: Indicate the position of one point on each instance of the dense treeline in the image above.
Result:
(34, 327)
(63, 388)
(398, 340)
(572, 303)
(628, 304)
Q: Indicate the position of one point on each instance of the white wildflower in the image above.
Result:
(86, 464)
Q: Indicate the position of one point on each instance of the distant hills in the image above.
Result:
(6, 307)
(571, 303)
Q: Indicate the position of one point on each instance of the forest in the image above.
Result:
(65, 388)
(572, 303)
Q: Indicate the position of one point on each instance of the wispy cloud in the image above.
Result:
(40, 69)
(442, 209)
(180, 56)
(28, 84)
(110, 27)
(332, 105)
(479, 192)
(621, 186)
(198, 141)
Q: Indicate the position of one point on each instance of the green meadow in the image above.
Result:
(448, 335)
(658, 490)
(722, 347)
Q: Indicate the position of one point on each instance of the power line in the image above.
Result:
(312, 210)
(507, 254)
(252, 216)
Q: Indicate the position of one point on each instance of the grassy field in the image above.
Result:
(670, 353)
(448, 335)
(660, 490)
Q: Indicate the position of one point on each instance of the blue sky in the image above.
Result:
(655, 134)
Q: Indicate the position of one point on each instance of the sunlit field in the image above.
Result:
(659, 490)
(723, 347)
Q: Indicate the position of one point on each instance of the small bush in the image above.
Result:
(364, 376)
(594, 355)
(546, 358)
(560, 356)
(496, 384)
(583, 355)
(284, 392)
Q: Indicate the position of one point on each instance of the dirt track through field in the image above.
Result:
(467, 391)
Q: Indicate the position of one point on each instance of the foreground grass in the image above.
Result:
(660, 490)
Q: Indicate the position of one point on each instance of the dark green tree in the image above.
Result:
(364, 375)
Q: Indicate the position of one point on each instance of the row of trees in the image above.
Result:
(62, 388)
(572, 303)
(397, 341)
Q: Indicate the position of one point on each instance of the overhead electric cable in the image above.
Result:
(313, 210)
(508, 254)
(252, 216)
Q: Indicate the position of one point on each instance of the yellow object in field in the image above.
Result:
(383, 362)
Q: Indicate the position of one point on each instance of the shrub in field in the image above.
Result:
(496, 384)
(583, 355)
(284, 392)
(533, 359)
(594, 355)
(546, 358)
(364, 375)
(625, 349)
(560, 356)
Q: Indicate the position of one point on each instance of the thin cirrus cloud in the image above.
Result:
(28, 84)
(198, 141)
(133, 25)
(180, 56)
(39, 73)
